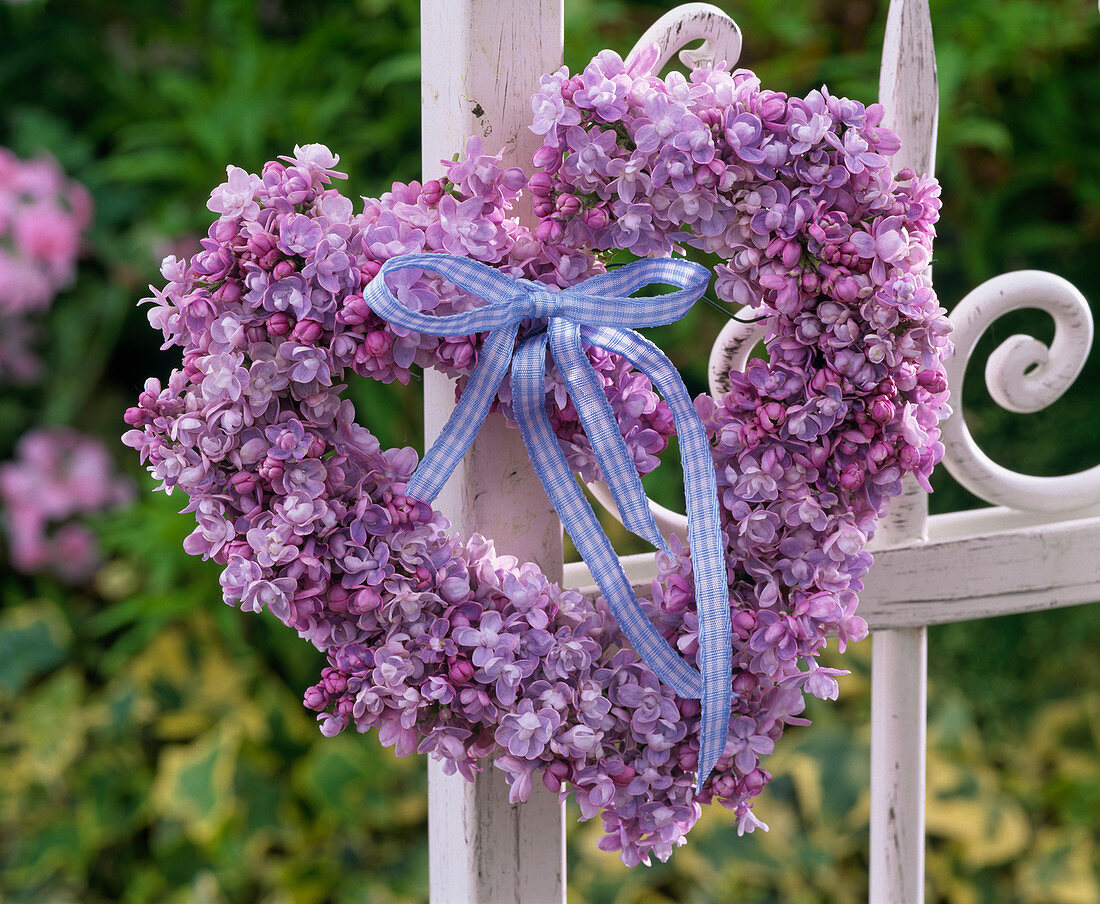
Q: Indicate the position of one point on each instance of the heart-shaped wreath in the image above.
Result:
(437, 641)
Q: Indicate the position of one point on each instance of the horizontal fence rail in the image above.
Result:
(974, 564)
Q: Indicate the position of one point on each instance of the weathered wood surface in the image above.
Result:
(1001, 572)
(899, 675)
(481, 62)
(899, 664)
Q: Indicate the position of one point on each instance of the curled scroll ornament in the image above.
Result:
(1024, 376)
(692, 22)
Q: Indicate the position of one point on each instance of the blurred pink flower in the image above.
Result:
(42, 216)
(57, 475)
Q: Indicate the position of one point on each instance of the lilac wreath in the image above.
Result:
(439, 642)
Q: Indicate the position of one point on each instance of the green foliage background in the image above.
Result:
(152, 743)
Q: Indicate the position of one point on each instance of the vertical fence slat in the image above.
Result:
(898, 683)
(481, 61)
(899, 669)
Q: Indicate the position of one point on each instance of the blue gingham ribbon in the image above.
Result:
(598, 311)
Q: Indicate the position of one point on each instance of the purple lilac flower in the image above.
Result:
(236, 196)
(813, 230)
(526, 733)
(439, 643)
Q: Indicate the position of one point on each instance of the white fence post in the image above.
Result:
(899, 658)
(481, 62)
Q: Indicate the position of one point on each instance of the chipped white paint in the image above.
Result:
(899, 674)
(731, 350)
(690, 22)
(481, 62)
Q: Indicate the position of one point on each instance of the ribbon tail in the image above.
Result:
(600, 425)
(704, 535)
(469, 413)
(552, 468)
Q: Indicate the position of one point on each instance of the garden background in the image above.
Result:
(153, 745)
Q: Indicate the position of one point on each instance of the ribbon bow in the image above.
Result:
(598, 311)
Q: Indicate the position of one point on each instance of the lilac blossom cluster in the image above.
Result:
(57, 476)
(811, 227)
(436, 641)
(42, 214)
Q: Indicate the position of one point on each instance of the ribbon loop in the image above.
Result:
(600, 311)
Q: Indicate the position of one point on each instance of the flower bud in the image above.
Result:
(377, 342)
(883, 410)
(547, 158)
(279, 324)
(461, 671)
(244, 482)
(366, 600)
(754, 781)
(932, 380)
(596, 218)
(851, 478)
(792, 254)
(432, 192)
(540, 184)
(568, 205)
(549, 231)
(282, 270)
(744, 623)
(306, 331)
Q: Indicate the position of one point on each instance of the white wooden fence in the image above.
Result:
(1034, 549)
